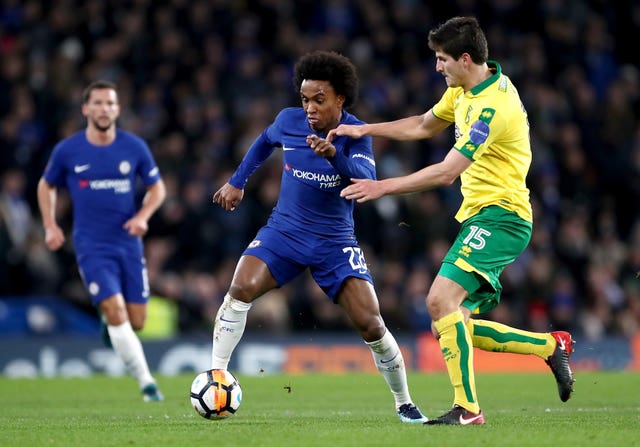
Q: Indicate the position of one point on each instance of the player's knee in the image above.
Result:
(114, 316)
(137, 323)
(245, 291)
(434, 331)
(432, 308)
(437, 306)
(371, 329)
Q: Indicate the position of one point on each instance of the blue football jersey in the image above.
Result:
(101, 181)
(309, 197)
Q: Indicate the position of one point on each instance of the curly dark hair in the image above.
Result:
(329, 66)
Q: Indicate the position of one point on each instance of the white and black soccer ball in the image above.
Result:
(215, 394)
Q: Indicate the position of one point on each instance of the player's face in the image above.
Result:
(321, 104)
(451, 69)
(102, 109)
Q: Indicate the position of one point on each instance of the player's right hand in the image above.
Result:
(350, 130)
(53, 237)
(228, 197)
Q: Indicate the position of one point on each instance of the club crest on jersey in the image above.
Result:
(125, 167)
(94, 288)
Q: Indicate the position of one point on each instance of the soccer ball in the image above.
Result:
(215, 394)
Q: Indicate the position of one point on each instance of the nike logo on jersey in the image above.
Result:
(475, 419)
(80, 168)
(285, 148)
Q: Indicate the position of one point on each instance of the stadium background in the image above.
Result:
(200, 79)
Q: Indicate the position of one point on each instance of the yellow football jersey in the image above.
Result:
(491, 128)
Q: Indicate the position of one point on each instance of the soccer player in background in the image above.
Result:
(100, 165)
(491, 155)
(311, 226)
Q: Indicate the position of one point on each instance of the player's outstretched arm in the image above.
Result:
(416, 127)
(433, 176)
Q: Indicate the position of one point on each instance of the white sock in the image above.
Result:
(228, 329)
(128, 347)
(390, 363)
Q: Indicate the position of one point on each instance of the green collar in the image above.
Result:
(493, 66)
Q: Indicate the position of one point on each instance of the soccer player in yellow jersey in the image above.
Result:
(491, 155)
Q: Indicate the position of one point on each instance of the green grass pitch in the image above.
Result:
(321, 410)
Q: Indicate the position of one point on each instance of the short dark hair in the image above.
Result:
(329, 66)
(460, 35)
(96, 85)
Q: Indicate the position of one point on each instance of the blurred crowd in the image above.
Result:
(200, 79)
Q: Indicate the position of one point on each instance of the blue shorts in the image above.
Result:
(330, 261)
(105, 275)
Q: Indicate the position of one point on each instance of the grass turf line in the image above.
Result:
(320, 410)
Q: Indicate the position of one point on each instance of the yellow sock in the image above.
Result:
(457, 351)
(497, 337)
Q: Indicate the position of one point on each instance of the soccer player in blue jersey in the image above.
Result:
(99, 166)
(311, 226)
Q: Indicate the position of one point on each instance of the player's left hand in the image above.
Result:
(320, 146)
(363, 190)
(136, 226)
